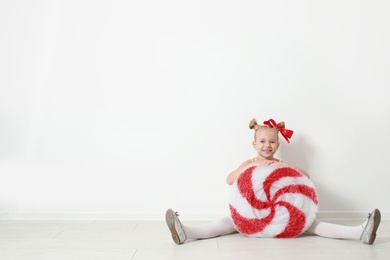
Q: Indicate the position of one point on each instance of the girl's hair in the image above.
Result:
(254, 125)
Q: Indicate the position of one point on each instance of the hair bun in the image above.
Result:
(253, 124)
(282, 124)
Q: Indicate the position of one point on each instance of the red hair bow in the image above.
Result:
(286, 133)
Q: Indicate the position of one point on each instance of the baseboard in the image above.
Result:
(85, 215)
(349, 215)
(158, 216)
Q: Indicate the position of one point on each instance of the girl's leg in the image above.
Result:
(330, 230)
(366, 232)
(180, 233)
(221, 227)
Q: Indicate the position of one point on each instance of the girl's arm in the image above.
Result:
(301, 171)
(233, 175)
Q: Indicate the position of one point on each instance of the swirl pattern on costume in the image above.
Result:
(272, 201)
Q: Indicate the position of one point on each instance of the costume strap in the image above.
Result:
(286, 133)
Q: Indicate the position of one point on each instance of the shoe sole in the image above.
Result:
(377, 221)
(170, 219)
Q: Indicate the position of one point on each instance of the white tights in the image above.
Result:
(225, 226)
(221, 227)
(330, 230)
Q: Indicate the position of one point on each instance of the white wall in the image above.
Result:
(121, 109)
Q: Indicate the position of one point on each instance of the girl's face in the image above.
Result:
(266, 143)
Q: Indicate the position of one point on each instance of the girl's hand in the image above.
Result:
(265, 163)
(284, 164)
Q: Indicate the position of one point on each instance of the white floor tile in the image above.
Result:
(138, 240)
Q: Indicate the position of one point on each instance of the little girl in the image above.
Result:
(266, 143)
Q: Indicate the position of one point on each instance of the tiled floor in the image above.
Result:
(143, 240)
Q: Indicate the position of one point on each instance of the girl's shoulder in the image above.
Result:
(247, 162)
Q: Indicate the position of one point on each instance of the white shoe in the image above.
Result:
(369, 231)
(175, 226)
